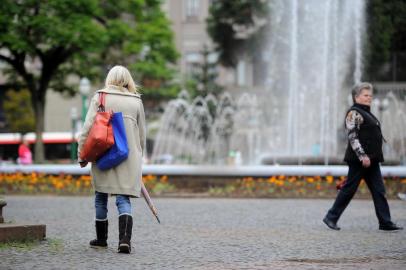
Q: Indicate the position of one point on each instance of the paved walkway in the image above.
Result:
(209, 234)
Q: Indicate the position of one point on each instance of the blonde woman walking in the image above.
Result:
(124, 180)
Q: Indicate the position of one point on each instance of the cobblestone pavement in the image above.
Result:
(209, 234)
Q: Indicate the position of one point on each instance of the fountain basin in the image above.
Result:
(196, 171)
(313, 160)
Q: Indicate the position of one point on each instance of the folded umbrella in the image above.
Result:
(147, 198)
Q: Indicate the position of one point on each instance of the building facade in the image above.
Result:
(188, 19)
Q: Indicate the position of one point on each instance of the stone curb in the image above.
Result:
(21, 232)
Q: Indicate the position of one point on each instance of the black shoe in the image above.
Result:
(124, 247)
(390, 227)
(101, 234)
(125, 226)
(96, 243)
(332, 225)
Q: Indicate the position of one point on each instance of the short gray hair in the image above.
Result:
(358, 87)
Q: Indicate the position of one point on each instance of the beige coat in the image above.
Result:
(127, 176)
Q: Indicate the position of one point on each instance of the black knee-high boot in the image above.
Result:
(101, 234)
(125, 226)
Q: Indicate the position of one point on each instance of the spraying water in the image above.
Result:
(315, 56)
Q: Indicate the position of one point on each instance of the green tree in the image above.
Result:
(18, 111)
(386, 38)
(237, 26)
(205, 75)
(44, 41)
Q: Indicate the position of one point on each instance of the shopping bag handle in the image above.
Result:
(102, 99)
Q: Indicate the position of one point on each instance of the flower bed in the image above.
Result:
(39, 183)
(273, 187)
(66, 184)
(294, 186)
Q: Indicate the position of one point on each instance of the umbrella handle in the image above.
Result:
(149, 201)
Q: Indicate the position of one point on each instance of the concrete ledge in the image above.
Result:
(206, 170)
(2, 204)
(260, 170)
(21, 232)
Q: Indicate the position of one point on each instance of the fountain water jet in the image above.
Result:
(314, 54)
(324, 50)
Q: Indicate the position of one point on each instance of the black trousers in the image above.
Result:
(374, 181)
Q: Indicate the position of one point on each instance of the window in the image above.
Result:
(241, 71)
(192, 8)
(193, 57)
(192, 62)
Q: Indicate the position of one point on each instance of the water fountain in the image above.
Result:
(391, 109)
(205, 130)
(315, 49)
(314, 56)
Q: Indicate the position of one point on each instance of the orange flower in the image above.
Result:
(149, 177)
(292, 179)
(310, 179)
(330, 179)
(164, 178)
(59, 185)
(279, 183)
(33, 181)
(272, 179)
(54, 182)
(85, 178)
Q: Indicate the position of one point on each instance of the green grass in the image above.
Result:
(53, 244)
(20, 245)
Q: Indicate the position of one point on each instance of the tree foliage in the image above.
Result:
(237, 26)
(386, 22)
(45, 41)
(386, 33)
(18, 111)
(205, 75)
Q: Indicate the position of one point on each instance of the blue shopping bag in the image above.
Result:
(119, 151)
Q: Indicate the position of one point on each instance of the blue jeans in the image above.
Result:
(100, 202)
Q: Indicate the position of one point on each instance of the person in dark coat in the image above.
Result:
(363, 156)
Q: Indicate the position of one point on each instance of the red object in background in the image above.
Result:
(340, 184)
(24, 155)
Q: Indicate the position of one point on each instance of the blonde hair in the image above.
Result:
(121, 77)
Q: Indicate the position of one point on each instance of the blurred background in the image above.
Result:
(224, 82)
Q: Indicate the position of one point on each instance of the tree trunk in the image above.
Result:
(39, 105)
